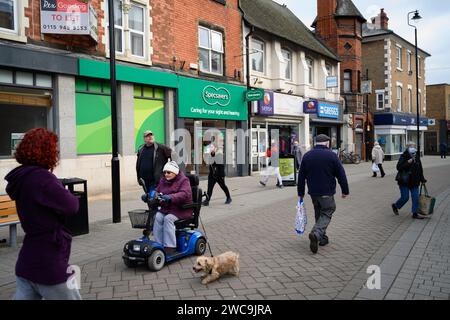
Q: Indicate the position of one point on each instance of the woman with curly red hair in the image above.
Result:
(42, 204)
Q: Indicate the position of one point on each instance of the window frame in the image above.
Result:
(121, 28)
(399, 59)
(310, 68)
(349, 80)
(410, 100)
(130, 30)
(263, 51)
(377, 94)
(409, 60)
(211, 50)
(399, 98)
(14, 31)
(418, 66)
(287, 63)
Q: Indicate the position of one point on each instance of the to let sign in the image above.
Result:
(68, 17)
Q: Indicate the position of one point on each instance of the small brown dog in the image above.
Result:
(214, 267)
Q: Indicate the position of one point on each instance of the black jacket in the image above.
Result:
(161, 155)
(216, 165)
(415, 169)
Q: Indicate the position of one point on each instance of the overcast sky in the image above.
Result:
(433, 30)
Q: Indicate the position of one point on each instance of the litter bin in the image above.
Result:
(77, 224)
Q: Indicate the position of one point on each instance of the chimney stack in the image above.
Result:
(384, 20)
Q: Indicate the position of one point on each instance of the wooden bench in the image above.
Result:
(9, 217)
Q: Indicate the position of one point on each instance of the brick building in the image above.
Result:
(339, 25)
(389, 61)
(438, 111)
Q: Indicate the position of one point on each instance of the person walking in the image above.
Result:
(443, 150)
(273, 169)
(216, 174)
(42, 202)
(377, 158)
(409, 178)
(320, 168)
(151, 158)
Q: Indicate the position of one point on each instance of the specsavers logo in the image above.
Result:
(213, 96)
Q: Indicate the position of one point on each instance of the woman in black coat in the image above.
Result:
(409, 178)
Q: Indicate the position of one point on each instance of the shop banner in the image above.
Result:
(201, 99)
(265, 106)
(328, 110)
(68, 17)
(399, 119)
(288, 105)
(310, 106)
(287, 170)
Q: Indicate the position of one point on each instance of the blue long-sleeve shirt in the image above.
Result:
(320, 168)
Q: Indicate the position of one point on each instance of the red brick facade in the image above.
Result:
(175, 33)
(76, 43)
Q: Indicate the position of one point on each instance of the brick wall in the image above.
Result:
(76, 43)
(175, 32)
(373, 60)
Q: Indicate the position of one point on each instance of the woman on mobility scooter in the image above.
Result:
(176, 191)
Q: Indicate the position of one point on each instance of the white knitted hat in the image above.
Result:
(172, 167)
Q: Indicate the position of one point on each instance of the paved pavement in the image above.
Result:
(275, 262)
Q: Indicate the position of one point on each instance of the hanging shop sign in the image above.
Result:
(68, 17)
(265, 106)
(254, 95)
(200, 99)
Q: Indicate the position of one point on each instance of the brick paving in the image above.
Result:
(275, 262)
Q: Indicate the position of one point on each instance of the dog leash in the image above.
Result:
(207, 241)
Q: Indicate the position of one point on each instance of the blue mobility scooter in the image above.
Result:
(189, 240)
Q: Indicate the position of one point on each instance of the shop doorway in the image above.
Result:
(259, 148)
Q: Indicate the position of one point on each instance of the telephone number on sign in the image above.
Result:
(66, 28)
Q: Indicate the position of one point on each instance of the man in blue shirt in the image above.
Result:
(320, 168)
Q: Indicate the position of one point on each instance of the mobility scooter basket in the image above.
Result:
(141, 219)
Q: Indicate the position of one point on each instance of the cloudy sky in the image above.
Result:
(433, 30)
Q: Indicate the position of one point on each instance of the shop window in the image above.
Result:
(257, 55)
(148, 113)
(8, 16)
(210, 50)
(93, 116)
(25, 79)
(287, 63)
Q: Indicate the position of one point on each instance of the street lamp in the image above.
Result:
(416, 19)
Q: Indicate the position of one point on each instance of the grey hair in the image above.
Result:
(411, 144)
(325, 143)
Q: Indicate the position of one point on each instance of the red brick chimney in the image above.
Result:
(326, 27)
(381, 21)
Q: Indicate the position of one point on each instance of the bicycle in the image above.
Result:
(351, 157)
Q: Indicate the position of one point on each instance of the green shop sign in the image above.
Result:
(210, 100)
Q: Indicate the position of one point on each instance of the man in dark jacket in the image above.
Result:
(443, 150)
(151, 159)
(320, 167)
(216, 174)
(409, 178)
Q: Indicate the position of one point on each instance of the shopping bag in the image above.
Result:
(426, 202)
(375, 167)
(300, 217)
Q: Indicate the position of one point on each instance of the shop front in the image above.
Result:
(326, 118)
(277, 118)
(211, 112)
(395, 130)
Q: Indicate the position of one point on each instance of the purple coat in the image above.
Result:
(42, 204)
(180, 192)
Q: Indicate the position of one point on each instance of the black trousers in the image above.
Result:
(443, 154)
(381, 170)
(221, 181)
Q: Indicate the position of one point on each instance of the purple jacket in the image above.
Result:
(42, 204)
(180, 191)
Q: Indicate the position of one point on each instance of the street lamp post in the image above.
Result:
(416, 18)
(115, 164)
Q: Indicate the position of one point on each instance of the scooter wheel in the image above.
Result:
(156, 260)
(129, 263)
(200, 247)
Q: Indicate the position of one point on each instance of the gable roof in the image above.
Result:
(278, 20)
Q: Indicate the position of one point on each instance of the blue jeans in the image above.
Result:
(404, 197)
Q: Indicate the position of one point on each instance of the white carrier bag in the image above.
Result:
(300, 217)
